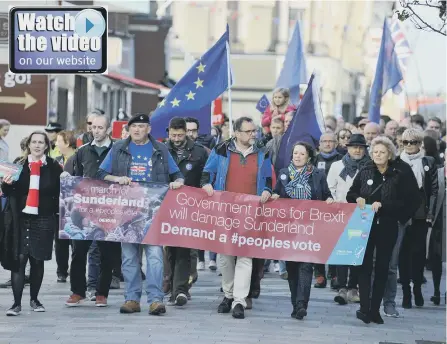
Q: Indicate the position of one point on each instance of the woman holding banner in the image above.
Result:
(301, 180)
(393, 194)
(33, 202)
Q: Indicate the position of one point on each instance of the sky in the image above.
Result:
(429, 58)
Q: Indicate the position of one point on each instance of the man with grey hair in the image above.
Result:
(391, 128)
(371, 131)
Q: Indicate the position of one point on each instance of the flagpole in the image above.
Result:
(230, 113)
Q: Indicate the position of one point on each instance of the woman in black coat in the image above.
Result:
(384, 185)
(301, 180)
(30, 219)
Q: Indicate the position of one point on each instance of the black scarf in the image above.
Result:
(352, 166)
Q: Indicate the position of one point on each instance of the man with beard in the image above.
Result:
(190, 158)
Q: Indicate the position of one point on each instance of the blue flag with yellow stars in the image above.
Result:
(197, 89)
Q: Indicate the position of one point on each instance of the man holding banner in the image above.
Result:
(237, 165)
(140, 158)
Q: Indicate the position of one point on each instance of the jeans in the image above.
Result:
(179, 259)
(413, 253)
(94, 265)
(109, 253)
(391, 284)
(213, 256)
(300, 282)
(236, 278)
(131, 268)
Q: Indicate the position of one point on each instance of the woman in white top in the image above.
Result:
(340, 178)
(4, 148)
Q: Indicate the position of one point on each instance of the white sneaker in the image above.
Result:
(212, 265)
(90, 295)
(276, 267)
(201, 266)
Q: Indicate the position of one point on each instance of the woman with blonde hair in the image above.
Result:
(278, 108)
(382, 184)
(413, 251)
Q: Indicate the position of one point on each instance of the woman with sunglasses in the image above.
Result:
(343, 137)
(413, 251)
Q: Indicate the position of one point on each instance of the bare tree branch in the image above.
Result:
(422, 21)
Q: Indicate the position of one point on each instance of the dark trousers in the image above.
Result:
(413, 253)
(342, 277)
(300, 282)
(116, 270)
(62, 252)
(257, 273)
(201, 254)
(179, 259)
(382, 238)
(109, 254)
(320, 270)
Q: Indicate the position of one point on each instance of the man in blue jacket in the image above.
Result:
(140, 158)
(237, 165)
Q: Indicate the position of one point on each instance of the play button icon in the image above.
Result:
(90, 23)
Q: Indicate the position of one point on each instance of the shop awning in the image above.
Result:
(138, 83)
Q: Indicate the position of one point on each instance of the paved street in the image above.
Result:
(199, 323)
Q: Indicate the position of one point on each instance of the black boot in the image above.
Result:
(293, 314)
(363, 316)
(436, 298)
(376, 318)
(301, 311)
(406, 300)
(418, 298)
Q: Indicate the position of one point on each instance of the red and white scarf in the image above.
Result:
(32, 201)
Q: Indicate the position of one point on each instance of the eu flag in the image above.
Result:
(196, 90)
(263, 104)
(293, 71)
(388, 74)
(307, 124)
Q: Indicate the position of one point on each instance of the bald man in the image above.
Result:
(371, 131)
(391, 128)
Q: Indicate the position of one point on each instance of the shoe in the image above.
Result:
(406, 299)
(342, 297)
(37, 306)
(115, 284)
(7, 284)
(181, 300)
(249, 302)
(418, 298)
(130, 307)
(91, 295)
(353, 296)
(27, 280)
(74, 300)
(201, 266)
(170, 302)
(390, 311)
(14, 310)
(363, 316)
(157, 308)
(225, 306)
(321, 282)
(376, 318)
(436, 299)
(238, 312)
(276, 267)
(212, 265)
(188, 295)
(61, 279)
(101, 301)
(301, 311)
(284, 276)
(293, 314)
(334, 284)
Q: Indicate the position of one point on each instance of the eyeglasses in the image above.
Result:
(410, 142)
(345, 137)
(249, 132)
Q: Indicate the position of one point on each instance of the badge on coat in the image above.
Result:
(369, 182)
(321, 165)
(283, 177)
(426, 168)
(189, 166)
(441, 155)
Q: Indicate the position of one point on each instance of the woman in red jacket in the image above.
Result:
(278, 108)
